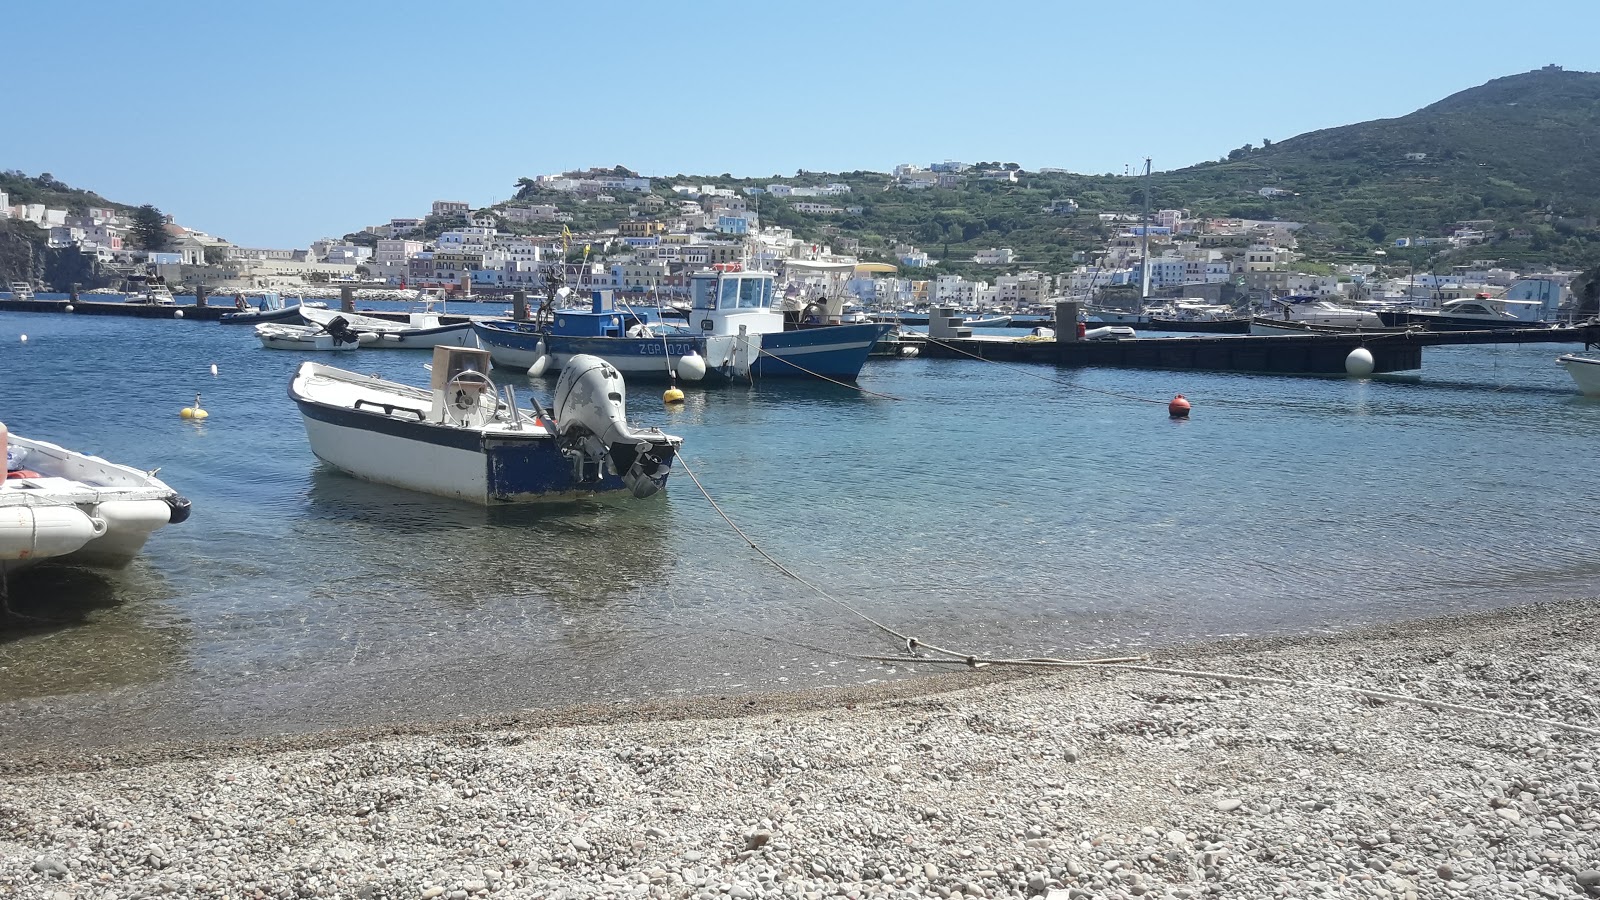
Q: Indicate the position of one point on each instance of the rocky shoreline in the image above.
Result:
(1081, 783)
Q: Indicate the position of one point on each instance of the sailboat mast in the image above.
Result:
(1144, 236)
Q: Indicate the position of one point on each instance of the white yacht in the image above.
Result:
(1295, 313)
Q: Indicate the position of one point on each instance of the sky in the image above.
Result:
(274, 124)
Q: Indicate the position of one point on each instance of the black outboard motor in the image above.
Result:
(339, 327)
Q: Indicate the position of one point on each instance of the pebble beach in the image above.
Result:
(1081, 783)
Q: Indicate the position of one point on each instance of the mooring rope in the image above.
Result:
(857, 387)
(1032, 374)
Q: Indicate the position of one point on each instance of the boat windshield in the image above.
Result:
(730, 293)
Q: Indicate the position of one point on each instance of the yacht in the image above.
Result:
(1467, 314)
(1296, 313)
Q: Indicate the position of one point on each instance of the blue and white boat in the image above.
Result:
(460, 438)
(268, 307)
(734, 331)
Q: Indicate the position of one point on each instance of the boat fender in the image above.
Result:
(541, 360)
(691, 366)
(180, 508)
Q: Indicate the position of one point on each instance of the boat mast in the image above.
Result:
(1144, 248)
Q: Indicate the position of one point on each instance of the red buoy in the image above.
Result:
(1082, 329)
(1178, 408)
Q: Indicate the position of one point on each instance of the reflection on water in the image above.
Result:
(1015, 510)
(70, 630)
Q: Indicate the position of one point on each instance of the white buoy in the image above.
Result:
(177, 314)
(1359, 363)
(69, 307)
(691, 367)
(24, 339)
(213, 370)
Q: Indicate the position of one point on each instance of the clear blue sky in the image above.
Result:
(273, 124)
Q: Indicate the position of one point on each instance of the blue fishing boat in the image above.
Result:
(734, 331)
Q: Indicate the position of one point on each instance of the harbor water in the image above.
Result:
(1008, 510)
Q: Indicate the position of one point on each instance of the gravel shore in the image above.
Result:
(1082, 783)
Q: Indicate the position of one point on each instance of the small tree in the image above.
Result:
(149, 229)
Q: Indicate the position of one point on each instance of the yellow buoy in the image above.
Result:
(672, 395)
(193, 412)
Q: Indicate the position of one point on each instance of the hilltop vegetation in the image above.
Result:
(1515, 151)
(21, 188)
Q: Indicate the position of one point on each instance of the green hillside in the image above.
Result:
(1517, 151)
(21, 188)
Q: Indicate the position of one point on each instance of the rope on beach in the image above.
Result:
(1032, 374)
(1440, 705)
(856, 387)
(1137, 664)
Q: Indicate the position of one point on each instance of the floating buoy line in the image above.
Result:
(1139, 663)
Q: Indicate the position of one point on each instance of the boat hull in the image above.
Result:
(1201, 326)
(1585, 373)
(1433, 322)
(834, 351)
(258, 316)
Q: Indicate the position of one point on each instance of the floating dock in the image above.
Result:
(1296, 354)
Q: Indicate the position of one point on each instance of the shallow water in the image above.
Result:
(998, 509)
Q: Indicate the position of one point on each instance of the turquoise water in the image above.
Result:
(995, 509)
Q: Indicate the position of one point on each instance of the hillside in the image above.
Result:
(21, 188)
(1517, 150)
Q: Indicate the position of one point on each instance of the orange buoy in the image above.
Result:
(1178, 408)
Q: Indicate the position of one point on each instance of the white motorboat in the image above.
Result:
(459, 438)
(335, 335)
(21, 290)
(1585, 371)
(68, 507)
(1295, 312)
(422, 330)
(1109, 333)
(150, 291)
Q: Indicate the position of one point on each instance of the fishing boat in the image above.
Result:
(1466, 314)
(422, 330)
(335, 335)
(61, 506)
(734, 331)
(461, 438)
(268, 307)
(1585, 372)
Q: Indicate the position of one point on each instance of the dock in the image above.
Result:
(1297, 354)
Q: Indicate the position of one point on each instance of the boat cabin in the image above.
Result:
(603, 318)
(723, 302)
(1488, 307)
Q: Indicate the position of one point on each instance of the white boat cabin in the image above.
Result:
(724, 302)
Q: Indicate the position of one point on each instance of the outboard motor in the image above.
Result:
(592, 422)
(339, 327)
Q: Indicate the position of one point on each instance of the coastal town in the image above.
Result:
(665, 231)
